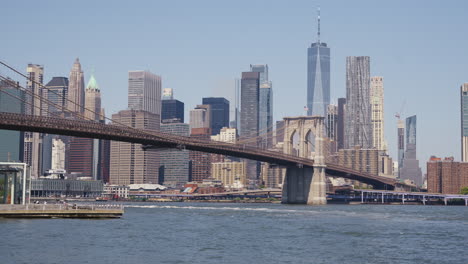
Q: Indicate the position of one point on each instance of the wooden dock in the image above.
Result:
(61, 211)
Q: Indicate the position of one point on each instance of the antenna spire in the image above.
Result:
(318, 24)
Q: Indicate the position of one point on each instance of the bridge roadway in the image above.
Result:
(90, 129)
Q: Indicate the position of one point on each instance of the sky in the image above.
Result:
(200, 47)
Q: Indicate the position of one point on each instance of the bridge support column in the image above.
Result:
(318, 187)
(297, 185)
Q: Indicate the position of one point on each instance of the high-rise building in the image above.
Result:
(464, 121)
(230, 173)
(104, 160)
(144, 92)
(93, 100)
(172, 111)
(318, 76)
(401, 143)
(226, 135)
(410, 169)
(265, 106)
(76, 89)
(83, 153)
(279, 131)
(358, 108)
(200, 117)
(249, 121)
(168, 94)
(46, 154)
(250, 94)
(33, 141)
(57, 93)
(265, 115)
(11, 142)
(340, 126)
(93, 112)
(364, 160)
(58, 154)
(129, 163)
(236, 108)
(446, 176)
(331, 127)
(262, 69)
(377, 108)
(174, 162)
(79, 159)
(219, 113)
(332, 122)
(201, 161)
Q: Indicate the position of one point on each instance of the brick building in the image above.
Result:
(446, 175)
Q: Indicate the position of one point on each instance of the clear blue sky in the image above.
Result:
(199, 47)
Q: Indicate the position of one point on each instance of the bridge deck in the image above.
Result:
(89, 129)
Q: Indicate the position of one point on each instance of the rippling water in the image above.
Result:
(244, 233)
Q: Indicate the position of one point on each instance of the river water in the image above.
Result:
(244, 233)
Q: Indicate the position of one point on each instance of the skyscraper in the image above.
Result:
(93, 100)
(250, 95)
(358, 108)
(76, 91)
(249, 121)
(377, 108)
(200, 117)
(172, 111)
(175, 162)
(57, 93)
(93, 112)
(83, 153)
(201, 161)
(219, 107)
(168, 94)
(33, 141)
(265, 106)
(129, 163)
(401, 142)
(332, 123)
(318, 76)
(464, 121)
(144, 92)
(11, 142)
(410, 169)
(340, 126)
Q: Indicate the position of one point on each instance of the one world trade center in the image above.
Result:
(318, 76)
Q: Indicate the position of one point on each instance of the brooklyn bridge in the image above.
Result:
(306, 167)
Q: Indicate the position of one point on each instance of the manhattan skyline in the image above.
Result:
(185, 45)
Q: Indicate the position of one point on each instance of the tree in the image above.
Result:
(464, 190)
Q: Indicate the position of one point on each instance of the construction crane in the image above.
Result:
(400, 113)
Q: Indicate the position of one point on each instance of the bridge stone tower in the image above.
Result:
(303, 185)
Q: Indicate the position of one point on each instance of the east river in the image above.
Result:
(244, 233)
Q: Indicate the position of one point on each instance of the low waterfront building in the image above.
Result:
(117, 191)
(13, 179)
(66, 188)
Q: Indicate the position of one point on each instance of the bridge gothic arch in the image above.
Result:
(309, 130)
(305, 185)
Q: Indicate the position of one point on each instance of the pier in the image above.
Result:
(61, 211)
